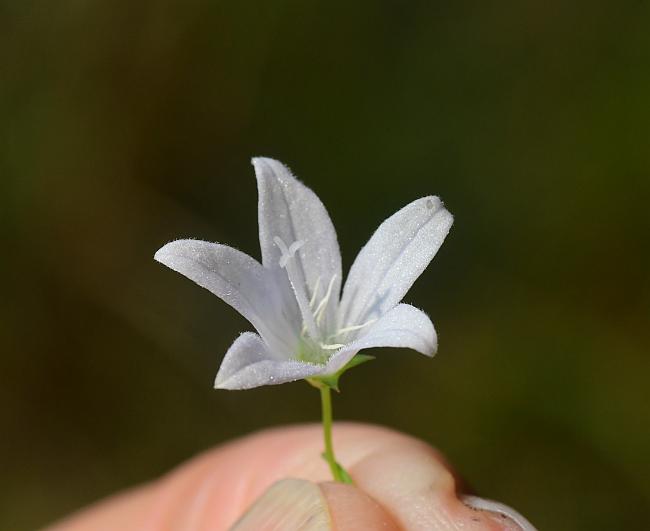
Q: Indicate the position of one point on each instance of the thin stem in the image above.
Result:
(325, 387)
(326, 404)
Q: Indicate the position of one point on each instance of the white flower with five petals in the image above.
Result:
(305, 327)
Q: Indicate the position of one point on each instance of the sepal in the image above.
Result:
(332, 380)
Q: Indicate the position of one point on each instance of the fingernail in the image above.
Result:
(288, 504)
(510, 518)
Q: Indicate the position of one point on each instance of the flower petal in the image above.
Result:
(238, 280)
(248, 363)
(290, 211)
(404, 326)
(393, 259)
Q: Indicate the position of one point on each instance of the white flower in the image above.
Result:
(305, 328)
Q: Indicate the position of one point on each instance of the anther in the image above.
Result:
(331, 346)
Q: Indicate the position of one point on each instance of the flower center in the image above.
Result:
(315, 344)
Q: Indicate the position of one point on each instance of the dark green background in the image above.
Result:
(127, 124)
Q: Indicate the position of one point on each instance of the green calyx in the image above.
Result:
(332, 380)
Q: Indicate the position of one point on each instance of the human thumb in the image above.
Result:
(300, 504)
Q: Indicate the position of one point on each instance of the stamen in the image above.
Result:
(355, 327)
(297, 281)
(347, 329)
(313, 297)
(319, 311)
(331, 346)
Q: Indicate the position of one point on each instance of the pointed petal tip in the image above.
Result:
(267, 163)
(221, 385)
(266, 167)
(437, 206)
(443, 218)
(432, 347)
(432, 202)
(431, 352)
(260, 160)
(167, 250)
(161, 253)
(225, 383)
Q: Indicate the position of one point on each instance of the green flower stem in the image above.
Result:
(326, 403)
(338, 472)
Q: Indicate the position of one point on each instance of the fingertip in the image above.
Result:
(500, 512)
(412, 483)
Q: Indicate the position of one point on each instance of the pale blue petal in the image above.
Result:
(240, 281)
(292, 212)
(393, 259)
(404, 326)
(248, 364)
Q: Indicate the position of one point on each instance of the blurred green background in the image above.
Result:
(127, 124)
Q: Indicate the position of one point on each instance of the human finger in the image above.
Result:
(402, 482)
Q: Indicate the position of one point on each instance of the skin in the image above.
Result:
(401, 483)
